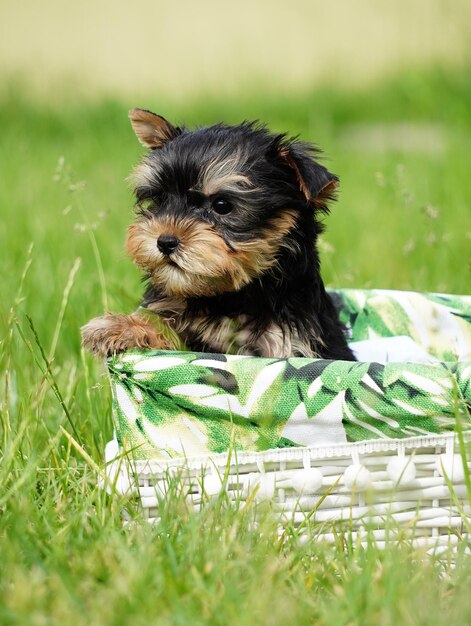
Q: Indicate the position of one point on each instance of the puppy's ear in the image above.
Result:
(315, 181)
(152, 130)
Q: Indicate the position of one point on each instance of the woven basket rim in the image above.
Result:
(277, 455)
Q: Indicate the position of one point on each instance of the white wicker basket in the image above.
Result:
(414, 487)
(413, 379)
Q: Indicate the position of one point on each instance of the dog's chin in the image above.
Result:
(172, 280)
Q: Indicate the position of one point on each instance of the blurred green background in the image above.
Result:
(384, 89)
(159, 47)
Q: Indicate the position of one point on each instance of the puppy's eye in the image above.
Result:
(221, 206)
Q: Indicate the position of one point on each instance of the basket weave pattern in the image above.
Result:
(413, 488)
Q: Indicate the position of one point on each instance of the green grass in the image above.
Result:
(402, 221)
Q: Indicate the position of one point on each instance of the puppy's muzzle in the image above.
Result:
(167, 244)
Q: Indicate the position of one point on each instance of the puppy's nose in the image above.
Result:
(167, 244)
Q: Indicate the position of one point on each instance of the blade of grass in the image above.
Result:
(99, 265)
(47, 372)
(6, 352)
(91, 463)
(65, 299)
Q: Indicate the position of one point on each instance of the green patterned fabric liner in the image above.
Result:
(172, 404)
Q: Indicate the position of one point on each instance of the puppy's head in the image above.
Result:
(217, 206)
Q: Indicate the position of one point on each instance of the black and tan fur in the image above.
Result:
(226, 228)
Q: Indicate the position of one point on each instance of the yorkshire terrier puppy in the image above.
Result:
(226, 229)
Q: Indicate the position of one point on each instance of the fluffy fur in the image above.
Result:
(226, 226)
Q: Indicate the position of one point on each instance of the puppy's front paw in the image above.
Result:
(110, 334)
